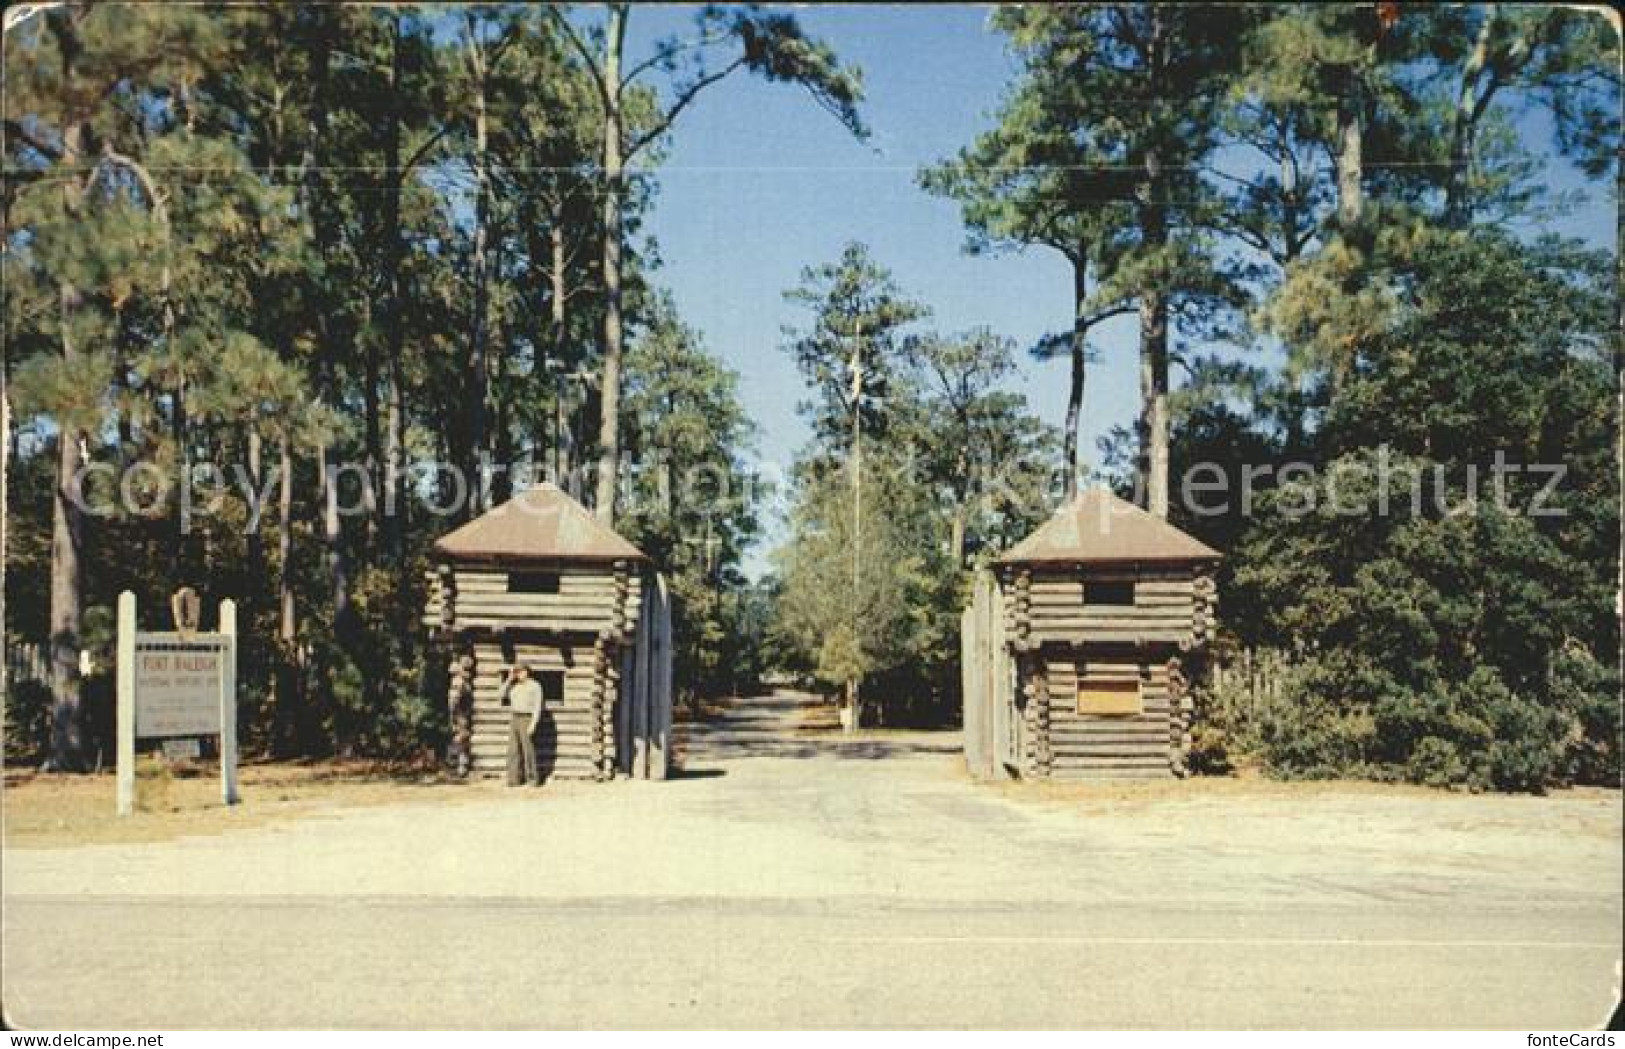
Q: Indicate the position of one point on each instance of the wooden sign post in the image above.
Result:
(126, 703)
(228, 702)
(176, 685)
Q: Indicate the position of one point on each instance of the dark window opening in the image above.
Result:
(1109, 593)
(533, 582)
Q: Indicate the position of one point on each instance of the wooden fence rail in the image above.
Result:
(27, 661)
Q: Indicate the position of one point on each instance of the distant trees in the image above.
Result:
(336, 243)
(1416, 349)
(725, 39)
(1117, 108)
(916, 449)
(1445, 580)
(333, 244)
(1025, 183)
(694, 508)
(104, 248)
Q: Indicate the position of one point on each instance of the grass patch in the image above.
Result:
(45, 810)
(1246, 785)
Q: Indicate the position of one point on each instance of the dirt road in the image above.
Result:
(798, 879)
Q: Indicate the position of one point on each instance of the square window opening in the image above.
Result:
(533, 582)
(1113, 592)
(552, 682)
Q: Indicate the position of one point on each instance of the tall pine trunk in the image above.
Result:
(1350, 161)
(1080, 360)
(609, 433)
(338, 569)
(67, 525)
(1470, 105)
(480, 264)
(1154, 400)
(255, 540)
(179, 428)
(500, 441)
(322, 225)
(1154, 423)
(559, 316)
(285, 731)
(373, 435)
(394, 525)
(395, 520)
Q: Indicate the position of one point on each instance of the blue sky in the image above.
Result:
(759, 183)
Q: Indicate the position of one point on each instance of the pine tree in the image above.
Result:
(1029, 181)
(725, 40)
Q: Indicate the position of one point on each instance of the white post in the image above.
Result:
(125, 703)
(228, 702)
(660, 688)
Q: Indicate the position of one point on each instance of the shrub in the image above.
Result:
(1589, 690)
(1436, 763)
(28, 721)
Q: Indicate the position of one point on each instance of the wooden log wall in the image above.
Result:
(605, 690)
(1036, 617)
(1018, 606)
(992, 721)
(1204, 608)
(1180, 709)
(461, 699)
(564, 743)
(580, 631)
(1037, 752)
(1095, 745)
(590, 599)
(1164, 609)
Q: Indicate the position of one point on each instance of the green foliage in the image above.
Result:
(851, 356)
(872, 576)
(1450, 622)
(692, 506)
(855, 593)
(262, 255)
(28, 722)
(288, 235)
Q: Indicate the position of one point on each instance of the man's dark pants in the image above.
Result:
(521, 752)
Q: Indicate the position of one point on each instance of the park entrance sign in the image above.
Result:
(176, 686)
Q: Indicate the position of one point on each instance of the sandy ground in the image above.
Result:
(41, 810)
(797, 879)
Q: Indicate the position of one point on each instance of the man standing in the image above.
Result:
(524, 698)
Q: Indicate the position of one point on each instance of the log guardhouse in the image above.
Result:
(539, 580)
(1079, 644)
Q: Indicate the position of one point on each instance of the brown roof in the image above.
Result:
(1098, 526)
(541, 523)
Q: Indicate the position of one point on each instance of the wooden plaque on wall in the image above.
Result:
(1109, 696)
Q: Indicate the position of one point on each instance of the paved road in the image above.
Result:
(792, 879)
